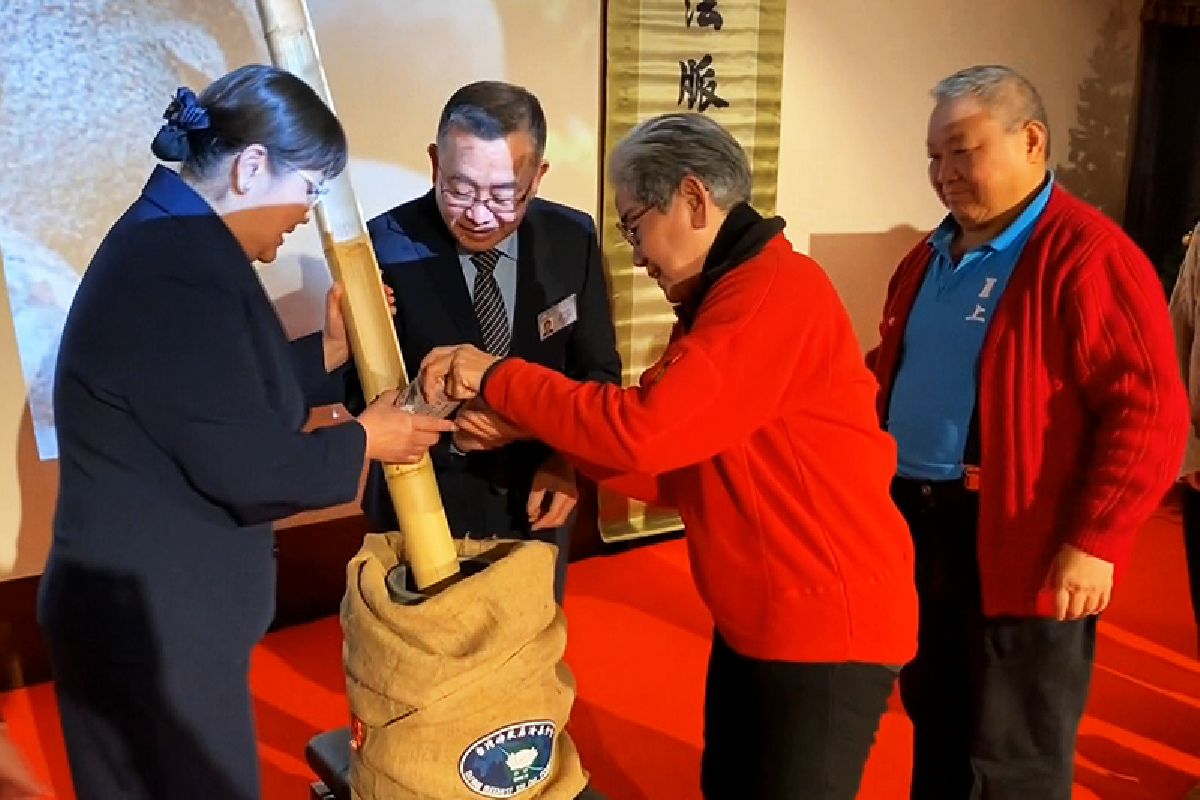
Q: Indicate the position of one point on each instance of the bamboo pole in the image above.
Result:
(427, 542)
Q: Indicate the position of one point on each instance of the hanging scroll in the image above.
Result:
(723, 58)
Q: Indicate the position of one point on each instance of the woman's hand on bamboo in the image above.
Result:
(397, 436)
(335, 337)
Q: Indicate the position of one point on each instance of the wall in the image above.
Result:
(852, 174)
(853, 183)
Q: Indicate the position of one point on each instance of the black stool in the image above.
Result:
(329, 756)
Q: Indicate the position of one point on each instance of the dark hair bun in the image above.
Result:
(183, 116)
(171, 144)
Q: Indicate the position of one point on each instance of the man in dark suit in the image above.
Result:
(481, 259)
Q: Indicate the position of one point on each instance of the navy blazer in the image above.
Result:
(179, 405)
(485, 493)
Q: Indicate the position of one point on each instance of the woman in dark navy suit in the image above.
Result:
(180, 409)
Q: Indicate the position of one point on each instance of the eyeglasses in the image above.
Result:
(465, 196)
(628, 228)
(316, 189)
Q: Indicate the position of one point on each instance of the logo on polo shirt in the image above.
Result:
(978, 314)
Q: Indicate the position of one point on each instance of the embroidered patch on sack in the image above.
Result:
(357, 733)
(510, 760)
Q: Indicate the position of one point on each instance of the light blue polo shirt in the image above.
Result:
(934, 391)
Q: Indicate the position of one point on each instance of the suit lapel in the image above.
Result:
(533, 285)
(444, 271)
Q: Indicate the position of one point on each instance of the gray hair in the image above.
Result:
(657, 154)
(1008, 94)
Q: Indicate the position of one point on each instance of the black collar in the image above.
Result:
(743, 235)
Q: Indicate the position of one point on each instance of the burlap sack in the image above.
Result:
(463, 695)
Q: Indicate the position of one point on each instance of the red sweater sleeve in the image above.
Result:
(650, 489)
(712, 387)
(872, 356)
(1125, 357)
(902, 291)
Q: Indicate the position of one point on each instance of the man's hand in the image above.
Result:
(456, 369)
(396, 436)
(554, 494)
(16, 781)
(481, 428)
(334, 338)
(1082, 583)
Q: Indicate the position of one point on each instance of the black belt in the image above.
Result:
(923, 494)
(967, 484)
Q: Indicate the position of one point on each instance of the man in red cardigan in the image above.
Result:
(1027, 374)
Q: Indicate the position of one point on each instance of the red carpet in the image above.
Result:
(638, 644)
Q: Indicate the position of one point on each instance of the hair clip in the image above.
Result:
(186, 112)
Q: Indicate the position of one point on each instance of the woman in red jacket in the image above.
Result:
(758, 424)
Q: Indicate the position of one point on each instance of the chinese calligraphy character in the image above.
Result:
(705, 14)
(698, 83)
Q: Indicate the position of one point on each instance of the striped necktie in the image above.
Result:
(489, 305)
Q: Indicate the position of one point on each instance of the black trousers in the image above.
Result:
(1191, 545)
(778, 730)
(995, 702)
(561, 538)
(152, 688)
(130, 737)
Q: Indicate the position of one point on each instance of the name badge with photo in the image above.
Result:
(557, 317)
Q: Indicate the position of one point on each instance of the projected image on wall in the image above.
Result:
(83, 85)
